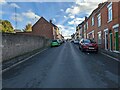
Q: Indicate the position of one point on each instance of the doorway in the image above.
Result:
(106, 40)
(116, 38)
(111, 43)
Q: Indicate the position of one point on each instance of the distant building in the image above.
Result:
(17, 30)
(44, 28)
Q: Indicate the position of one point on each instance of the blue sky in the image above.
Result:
(66, 15)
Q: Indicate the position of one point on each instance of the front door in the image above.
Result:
(116, 41)
(111, 45)
(106, 40)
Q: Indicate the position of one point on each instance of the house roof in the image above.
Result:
(95, 11)
(46, 21)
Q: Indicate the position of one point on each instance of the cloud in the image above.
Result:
(3, 2)
(17, 17)
(90, 1)
(31, 15)
(57, 15)
(54, 20)
(1, 12)
(75, 21)
(65, 16)
(29, 22)
(71, 22)
(81, 7)
(73, 10)
(61, 10)
(14, 5)
(40, 0)
(66, 30)
(71, 16)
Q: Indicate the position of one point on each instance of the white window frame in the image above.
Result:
(99, 20)
(87, 24)
(110, 14)
(99, 39)
(92, 21)
(105, 41)
(92, 32)
(84, 27)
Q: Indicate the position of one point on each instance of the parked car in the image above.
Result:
(88, 45)
(72, 41)
(76, 41)
(55, 43)
(61, 41)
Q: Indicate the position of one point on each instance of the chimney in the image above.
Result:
(100, 4)
(85, 18)
(50, 21)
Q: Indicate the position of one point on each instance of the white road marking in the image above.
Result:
(111, 57)
(22, 61)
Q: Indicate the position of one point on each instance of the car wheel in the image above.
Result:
(96, 51)
(82, 49)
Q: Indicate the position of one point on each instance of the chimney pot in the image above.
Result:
(50, 21)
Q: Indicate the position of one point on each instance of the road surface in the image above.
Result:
(64, 67)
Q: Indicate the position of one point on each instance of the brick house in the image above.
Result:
(43, 28)
(103, 25)
(81, 30)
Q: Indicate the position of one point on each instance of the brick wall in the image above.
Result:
(43, 28)
(105, 24)
(17, 44)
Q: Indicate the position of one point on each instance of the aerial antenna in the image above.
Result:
(15, 18)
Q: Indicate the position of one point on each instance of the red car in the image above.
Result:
(88, 45)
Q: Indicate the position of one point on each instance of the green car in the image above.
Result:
(55, 43)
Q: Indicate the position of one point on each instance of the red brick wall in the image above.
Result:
(104, 22)
(43, 28)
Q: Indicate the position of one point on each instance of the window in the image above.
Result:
(92, 21)
(99, 37)
(109, 12)
(87, 25)
(84, 28)
(99, 20)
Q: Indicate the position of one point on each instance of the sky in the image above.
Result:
(66, 14)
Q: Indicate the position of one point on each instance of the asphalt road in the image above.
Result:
(64, 67)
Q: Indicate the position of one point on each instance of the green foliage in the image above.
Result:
(28, 28)
(6, 26)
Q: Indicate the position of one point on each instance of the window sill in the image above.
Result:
(99, 26)
(109, 21)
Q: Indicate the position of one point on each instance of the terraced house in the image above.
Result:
(103, 25)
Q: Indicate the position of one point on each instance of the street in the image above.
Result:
(64, 67)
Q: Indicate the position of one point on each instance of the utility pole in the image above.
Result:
(15, 18)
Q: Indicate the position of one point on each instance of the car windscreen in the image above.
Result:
(87, 41)
(92, 41)
(54, 40)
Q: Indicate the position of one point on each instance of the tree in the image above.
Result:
(28, 28)
(6, 26)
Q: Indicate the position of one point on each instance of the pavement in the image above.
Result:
(64, 67)
(111, 53)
